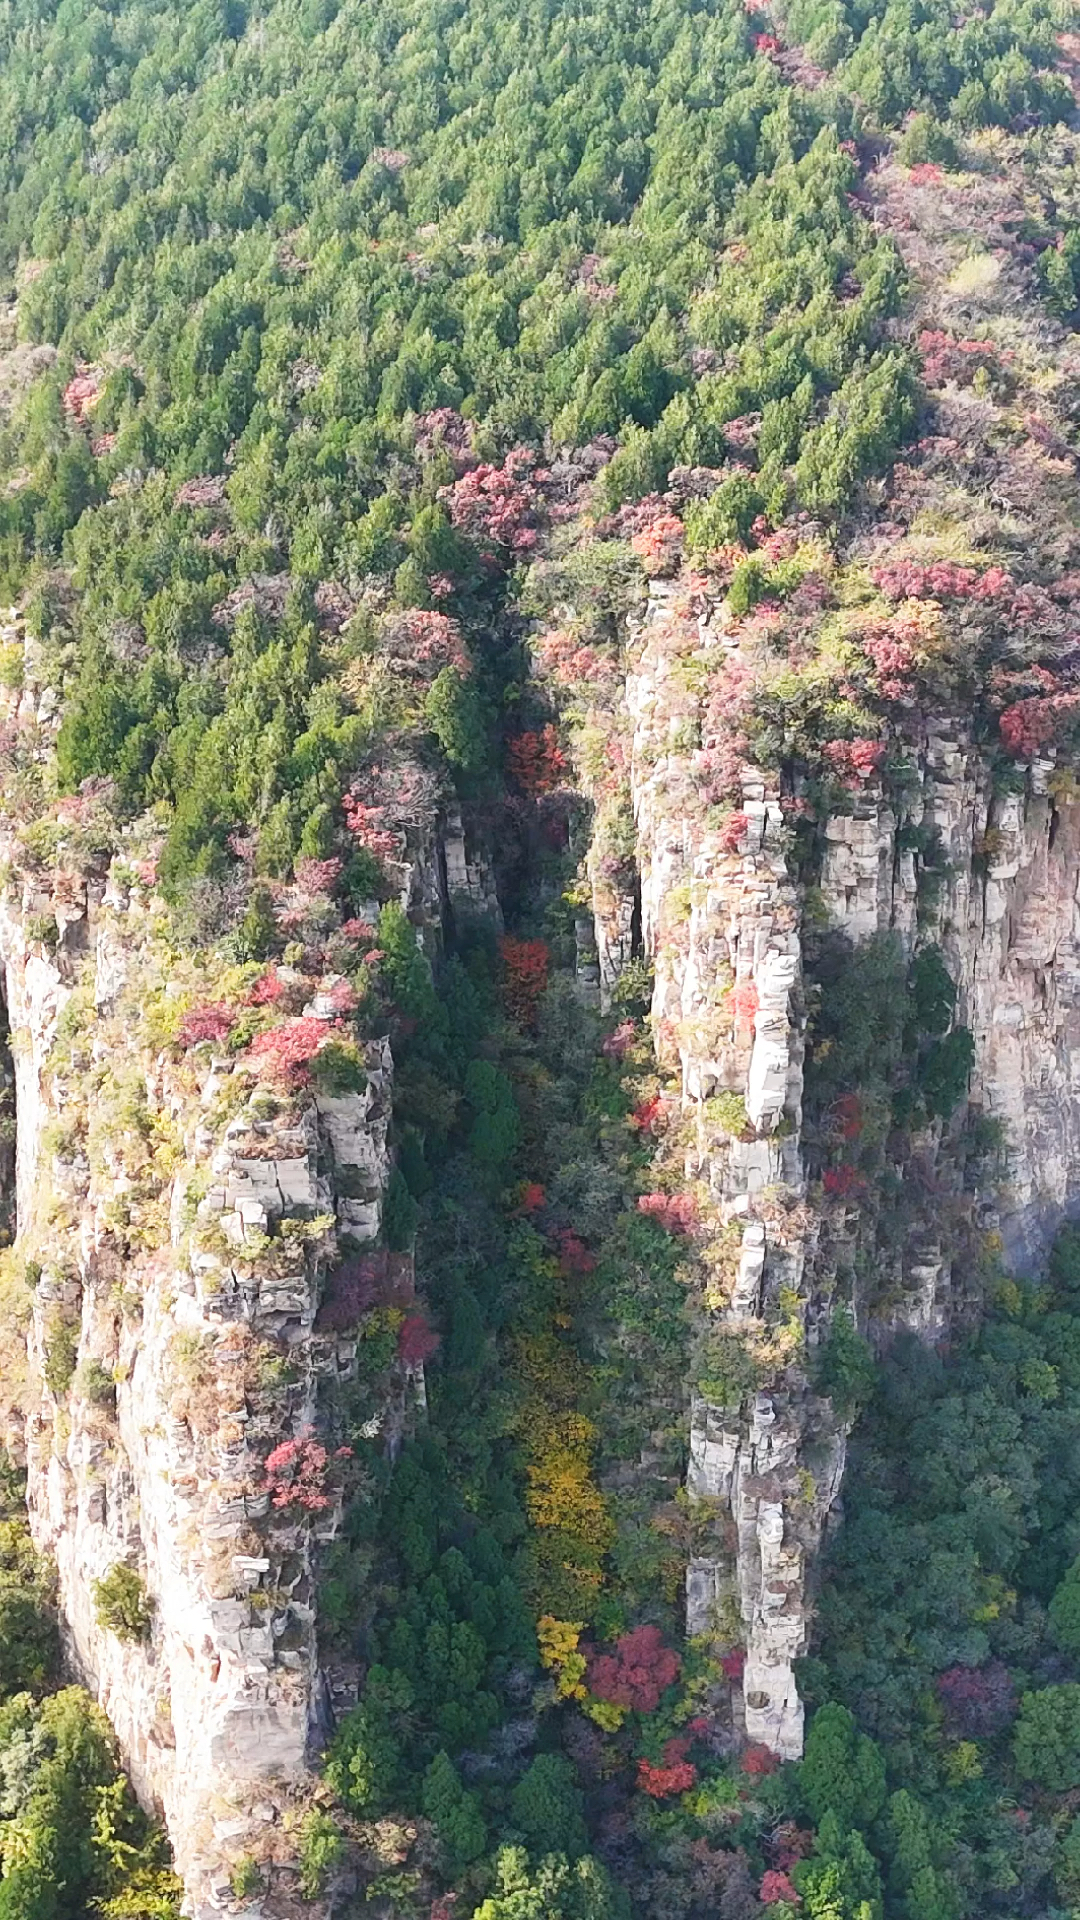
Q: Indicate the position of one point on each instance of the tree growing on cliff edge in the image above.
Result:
(121, 1603)
(83, 1843)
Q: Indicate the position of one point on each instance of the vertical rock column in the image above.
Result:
(720, 919)
(173, 1347)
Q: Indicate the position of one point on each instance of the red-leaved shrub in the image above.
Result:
(297, 1474)
(619, 1042)
(648, 1115)
(636, 1672)
(840, 1181)
(574, 1255)
(776, 1887)
(675, 1212)
(854, 761)
(525, 972)
(658, 546)
(288, 1050)
(417, 1341)
(499, 506)
(536, 761)
(266, 991)
(661, 1782)
(369, 828)
(745, 1000)
(209, 1022)
(378, 1279)
(733, 832)
(978, 1701)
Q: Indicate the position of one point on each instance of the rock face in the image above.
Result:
(1006, 912)
(721, 918)
(180, 1218)
(177, 1212)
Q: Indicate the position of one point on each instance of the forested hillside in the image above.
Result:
(489, 495)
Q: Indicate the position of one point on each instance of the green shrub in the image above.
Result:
(944, 1074)
(121, 1603)
(749, 584)
(931, 993)
(400, 1214)
(258, 936)
(925, 139)
(1067, 1863)
(42, 931)
(1064, 1269)
(1064, 1610)
(844, 1368)
(29, 1640)
(842, 1879)
(95, 1383)
(454, 712)
(842, 1771)
(727, 1110)
(61, 1348)
(725, 516)
(364, 1764)
(547, 1807)
(339, 1067)
(726, 1372)
(322, 1848)
(456, 1813)
(555, 1889)
(246, 1879)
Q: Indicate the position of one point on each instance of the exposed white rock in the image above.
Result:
(996, 880)
(1006, 910)
(728, 994)
(215, 1711)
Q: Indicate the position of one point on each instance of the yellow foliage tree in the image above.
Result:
(558, 1642)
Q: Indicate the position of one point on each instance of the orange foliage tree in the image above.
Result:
(536, 761)
(525, 974)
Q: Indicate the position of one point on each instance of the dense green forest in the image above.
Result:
(311, 262)
(340, 343)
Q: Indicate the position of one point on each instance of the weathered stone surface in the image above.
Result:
(729, 996)
(214, 1711)
(1006, 911)
(1005, 908)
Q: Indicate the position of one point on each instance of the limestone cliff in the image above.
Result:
(178, 1209)
(900, 638)
(178, 1205)
(720, 916)
(177, 1212)
(725, 924)
(1006, 914)
(180, 1226)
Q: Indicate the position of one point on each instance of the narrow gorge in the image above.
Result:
(539, 962)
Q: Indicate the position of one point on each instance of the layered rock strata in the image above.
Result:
(1005, 908)
(722, 920)
(720, 917)
(173, 1345)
